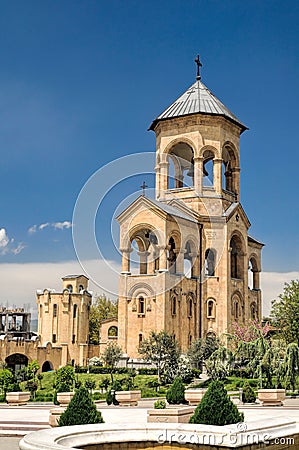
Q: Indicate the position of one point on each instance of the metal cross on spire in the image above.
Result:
(143, 187)
(199, 65)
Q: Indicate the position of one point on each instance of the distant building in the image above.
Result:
(63, 326)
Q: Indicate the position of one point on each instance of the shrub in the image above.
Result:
(160, 404)
(216, 408)
(65, 377)
(2, 398)
(176, 392)
(90, 384)
(109, 397)
(81, 410)
(248, 395)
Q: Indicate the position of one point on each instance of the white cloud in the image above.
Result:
(56, 225)
(32, 229)
(20, 281)
(61, 225)
(43, 225)
(4, 241)
(6, 246)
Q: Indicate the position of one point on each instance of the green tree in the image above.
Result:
(285, 312)
(32, 369)
(161, 350)
(6, 380)
(290, 366)
(201, 349)
(176, 393)
(102, 308)
(81, 410)
(219, 364)
(248, 394)
(65, 378)
(111, 356)
(216, 408)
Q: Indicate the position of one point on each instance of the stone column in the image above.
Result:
(164, 167)
(179, 261)
(236, 181)
(198, 175)
(163, 267)
(256, 280)
(218, 175)
(126, 261)
(195, 264)
(143, 262)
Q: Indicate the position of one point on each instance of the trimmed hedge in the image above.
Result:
(117, 370)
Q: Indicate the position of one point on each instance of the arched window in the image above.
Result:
(75, 311)
(190, 307)
(55, 309)
(253, 311)
(210, 261)
(144, 257)
(171, 256)
(141, 305)
(237, 258)
(173, 306)
(70, 288)
(211, 313)
(81, 288)
(253, 274)
(139, 339)
(229, 174)
(208, 168)
(112, 332)
(181, 166)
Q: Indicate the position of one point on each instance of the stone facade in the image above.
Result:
(63, 327)
(191, 244)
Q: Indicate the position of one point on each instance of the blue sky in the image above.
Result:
(81, 81)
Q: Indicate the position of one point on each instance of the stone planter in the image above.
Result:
(194, 396)
(17, 398)
(271, 397)
(64, 398)
(128, 398)
(175, 414)
(54, 416)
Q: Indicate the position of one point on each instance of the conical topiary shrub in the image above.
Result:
(248, 395)
(176, 392)
(81, 410)
(216, 408)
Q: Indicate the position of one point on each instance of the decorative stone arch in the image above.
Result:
(147, 239)
(254, 314)
(112, 332)
(174, 242)
(17, 360)
(141, 291)
(231, 167)
(237, 305)
(254, 269)
(47, 366)
(191, 257)
(209, 148)
(210, 262)
(191, 301)
(181, 153)
(237, 249)
(211, 308)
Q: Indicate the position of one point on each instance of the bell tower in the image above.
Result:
(197, 149)
(185, 255)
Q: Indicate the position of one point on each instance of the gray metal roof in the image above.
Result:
(172, 211)
(197, 99)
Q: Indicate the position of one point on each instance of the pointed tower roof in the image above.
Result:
(197, 99)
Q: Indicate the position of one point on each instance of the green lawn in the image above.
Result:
(140, 382)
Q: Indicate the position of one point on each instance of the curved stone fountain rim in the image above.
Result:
(62, 438)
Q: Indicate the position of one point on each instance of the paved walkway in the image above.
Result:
(17, 421)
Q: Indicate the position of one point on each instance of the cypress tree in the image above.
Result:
(176, 392)
(81, 410)
(216, 408)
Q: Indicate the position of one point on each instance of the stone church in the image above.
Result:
(189, 265)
